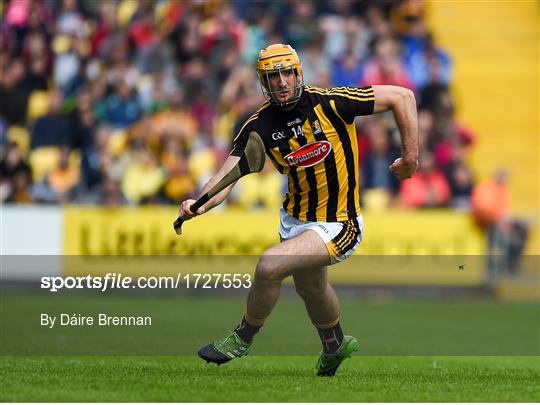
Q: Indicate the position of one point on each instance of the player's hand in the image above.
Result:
(403, 169)
(185, 210)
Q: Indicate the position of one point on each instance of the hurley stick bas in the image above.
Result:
(251, 162)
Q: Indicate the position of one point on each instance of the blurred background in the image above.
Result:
(114, 111)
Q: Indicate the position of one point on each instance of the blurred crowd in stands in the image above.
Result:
(119, 102)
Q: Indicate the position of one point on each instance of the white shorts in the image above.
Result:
(341, 238)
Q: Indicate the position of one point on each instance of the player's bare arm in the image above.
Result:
(403, 105)
(185, 211)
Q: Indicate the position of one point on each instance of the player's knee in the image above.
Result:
(268, 269)
(311, 290)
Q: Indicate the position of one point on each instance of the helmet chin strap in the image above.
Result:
(289, 105)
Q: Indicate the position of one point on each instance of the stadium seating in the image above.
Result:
(20, 136)
(496, 86)
(45, 159)
(38, 105)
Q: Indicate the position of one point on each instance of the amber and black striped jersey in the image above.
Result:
(315, 145)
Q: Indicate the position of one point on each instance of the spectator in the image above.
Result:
(378, 23)
(386, 67)
(407, 17)
(27, 16)
(22, 181)
(15, 176)
(186, 39)
(69, 20)
(222, 28)
(344, 33)
(381, 154)
(448, 135)
(203, 110)
(38, 76)
(67, 63)
(194, 76)
(240, 98)
(106, 25)
(38, 58)
(122, 108)
(444, 118)
(84, 122)
(315, 66)
(491, 201)
(175, 123)
(507, 236)
(425, 63)
(428, 188)
(111, 196)
(179, 184)
(142, 179)
(300, 28)
(54, 128)
(96, 159)
(425, 129)
(13, 98)
(258, 34)
(460, 180)
(162, 87)
(64, 178)
(347, 70)
(145, 37)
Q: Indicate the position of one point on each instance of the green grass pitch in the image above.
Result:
(415, 350)
(269, 379)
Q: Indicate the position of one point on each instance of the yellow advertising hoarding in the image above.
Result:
(398, 247)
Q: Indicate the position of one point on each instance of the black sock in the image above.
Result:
(246, 331)
(331, 338)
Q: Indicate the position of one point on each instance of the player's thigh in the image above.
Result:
(305, 251)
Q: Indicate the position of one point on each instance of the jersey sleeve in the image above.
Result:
(241, 138)
(353, 101)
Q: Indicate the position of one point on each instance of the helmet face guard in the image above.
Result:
(264, 79)
(279, 59)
